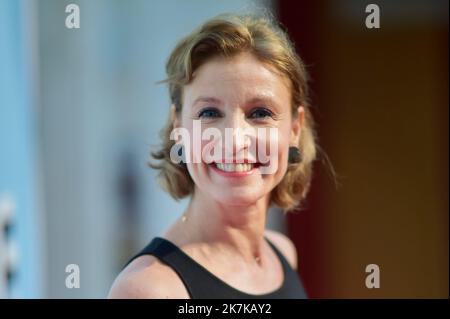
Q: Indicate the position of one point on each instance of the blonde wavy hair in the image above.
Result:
(229, 35)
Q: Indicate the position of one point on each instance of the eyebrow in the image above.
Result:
(262, 99)
(256, 99)
(207, 99)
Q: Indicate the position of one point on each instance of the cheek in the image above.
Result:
(273, 152)
(202, 152)
(283, 143)
(211, 150)
(283, 151)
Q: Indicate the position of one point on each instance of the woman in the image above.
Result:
(235, 73)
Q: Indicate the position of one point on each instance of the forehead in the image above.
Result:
(236, 78)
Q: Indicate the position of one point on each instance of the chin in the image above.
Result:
(238, 197)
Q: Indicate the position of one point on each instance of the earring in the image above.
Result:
(181, 155)
(294, 155)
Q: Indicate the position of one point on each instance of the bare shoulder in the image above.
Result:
(284, 245)
(147, 277)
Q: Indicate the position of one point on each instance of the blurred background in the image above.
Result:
(80, 111)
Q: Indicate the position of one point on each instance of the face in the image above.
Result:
(245, 101)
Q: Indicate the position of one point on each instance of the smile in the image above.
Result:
(244, 167)
(235, 169)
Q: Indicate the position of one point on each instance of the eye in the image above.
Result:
(208, 113)
(261, 113)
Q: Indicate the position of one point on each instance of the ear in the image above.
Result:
(297, 126)
(174, 117)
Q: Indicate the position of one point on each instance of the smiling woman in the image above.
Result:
(235, 73)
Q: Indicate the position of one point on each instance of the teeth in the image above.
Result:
(235, 167)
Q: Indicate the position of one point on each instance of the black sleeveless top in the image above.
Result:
(202, 284)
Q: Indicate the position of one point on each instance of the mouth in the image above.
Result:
(240, 167)
(235, 169)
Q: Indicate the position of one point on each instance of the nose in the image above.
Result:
(237, 135)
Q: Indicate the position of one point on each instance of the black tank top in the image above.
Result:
(202, 284)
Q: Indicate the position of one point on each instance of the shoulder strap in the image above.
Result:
(194, 276)
(286, 265)
(293, 283)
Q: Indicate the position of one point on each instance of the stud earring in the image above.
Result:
(294, 155)
(181, 155)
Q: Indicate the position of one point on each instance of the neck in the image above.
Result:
(233, 228)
